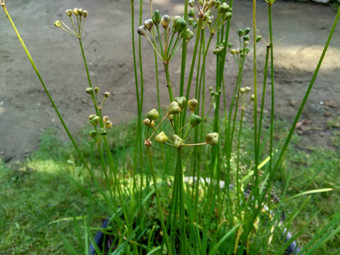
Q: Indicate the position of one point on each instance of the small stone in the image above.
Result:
(292, 102)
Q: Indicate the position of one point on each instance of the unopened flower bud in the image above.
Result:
(85, 13)
(195, 120)
(105, 118)
(149, 123)
(190, 34)
(57, 23)
(191, 13)
(108, 124)
(148, 24)
(174, 108)
(212, 138)
(93, 133)
(181, 101)
(156, 17)
(246, 30)
(258, 38)
(103, 132)
(230, 45)
(141, 30)
(161, 138)
(246, 38)
(95, 120)
(75, 11)
(178, 142)
(240, 32)
(192, 104)
(80, 12)
(96, 89)
(91, 116)
(252, 97)
(107, 94)
(153, 114)
(68, 12)
(174, 19)
(89, 91)
(191, 3)
(165, 21)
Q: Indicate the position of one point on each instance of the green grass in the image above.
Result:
(51, 186)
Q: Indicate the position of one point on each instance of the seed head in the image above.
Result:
(165, 21)
(57, 23)
(161, 138)
(174, 108)
(212, 138)
(153, 114)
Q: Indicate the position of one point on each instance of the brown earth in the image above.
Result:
(300, 31)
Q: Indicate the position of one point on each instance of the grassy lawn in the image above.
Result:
(44, 196)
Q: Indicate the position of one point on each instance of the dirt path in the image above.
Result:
(300, 32)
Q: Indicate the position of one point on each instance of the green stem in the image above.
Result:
(168, 82)
(46, 90)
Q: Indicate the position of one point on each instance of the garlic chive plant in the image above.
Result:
(191, 190)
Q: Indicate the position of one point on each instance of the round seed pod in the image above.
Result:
(148, 24)
(161, 138)
(192, 104)
(174, 108)
(141, 30)
(156, 17)
(212, 138)
(153, 114)
(165, 21)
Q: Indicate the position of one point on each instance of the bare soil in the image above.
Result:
(300, 31)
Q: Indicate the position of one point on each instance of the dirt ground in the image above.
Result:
(300, 31)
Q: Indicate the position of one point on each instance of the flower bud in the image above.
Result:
(149, 123)
(258, 38)
(192, 104)
(252, 97)
(246, 30)
(105, 118)
(178, 142)
(230, 45)
(191, 3)
(91, 116)
(246, 38)
(148, 24)
(161, 138)
(68, 12)
(107, 94)
(240, 32)
(180, 24)
(223, 8)
(80, 12)
(212, 138)
(244, 90)
(96, 89)
(141, 30)
(181, 101)
(93, 133)
(165, 21)
(174, 108)
(57, 23)
(195, 120)
(103, 132)
(191, 13)
(153, 114)
(108, 124)
(75, 11)
(95, 120)
(85, 13)
(89, 91)
(156, 17)
(174, 19)
(190, 34)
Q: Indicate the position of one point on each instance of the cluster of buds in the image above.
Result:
(206, 11)
(93, 92)
(100, 127)
(167, 47)
(77, 27)
(243, 95)
(243, 35)
(173, 110)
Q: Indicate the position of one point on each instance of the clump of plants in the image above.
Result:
(189, 192)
